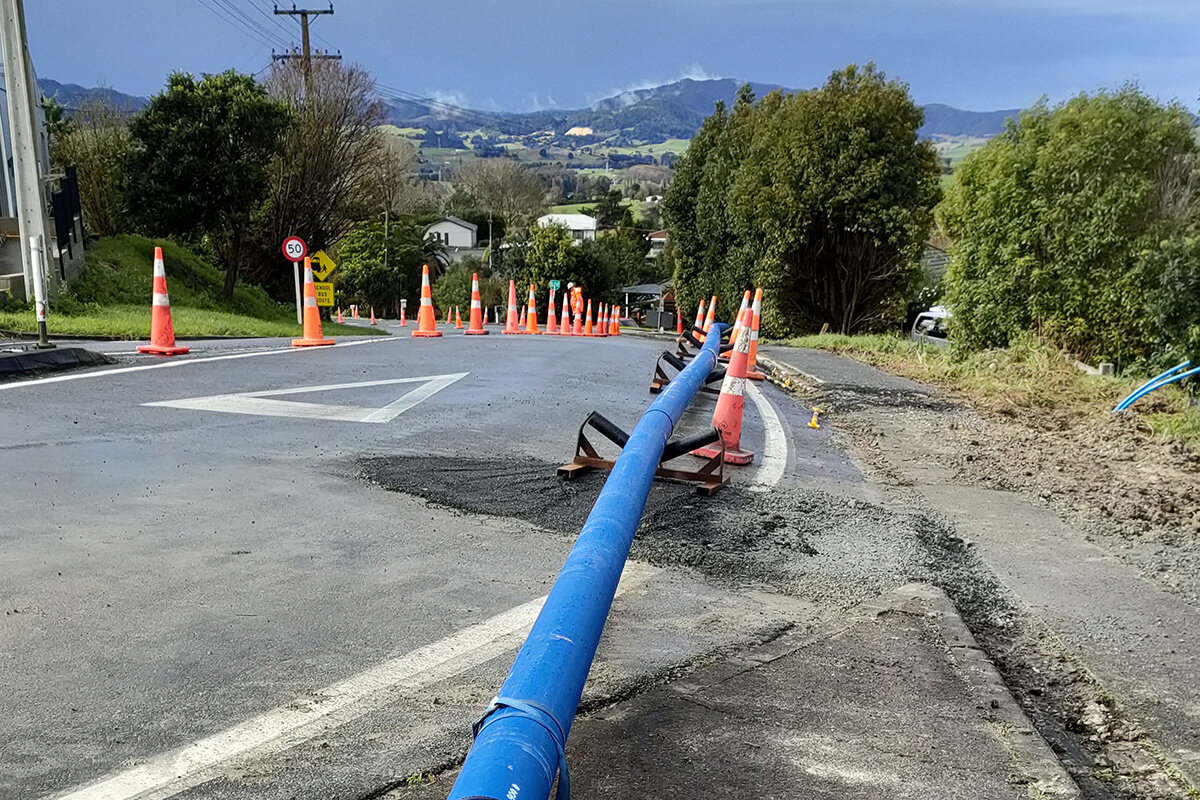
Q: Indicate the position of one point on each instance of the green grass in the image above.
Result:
(133, 322)
(111, 298)
(677, 146)
(1025, 378)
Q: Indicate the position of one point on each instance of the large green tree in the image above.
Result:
(823, 197)
(380, 270)
(198, 162)
(1058, 223)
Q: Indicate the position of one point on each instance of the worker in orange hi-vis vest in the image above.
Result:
(576, 295)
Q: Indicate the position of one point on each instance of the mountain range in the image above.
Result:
(654, 114)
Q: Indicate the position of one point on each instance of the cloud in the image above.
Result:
(694, 72)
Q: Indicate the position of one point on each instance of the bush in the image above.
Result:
(1055, 224)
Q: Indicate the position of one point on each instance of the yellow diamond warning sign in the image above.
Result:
(322, 265)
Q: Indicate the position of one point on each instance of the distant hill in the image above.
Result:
(73, 95)
(943, 120)
(671, 111)
(656, 114)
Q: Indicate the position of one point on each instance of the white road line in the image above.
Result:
(318, 712)
(78, 376)
(260, 403)
(775, 449)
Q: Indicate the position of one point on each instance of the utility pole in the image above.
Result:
(305, 49)
(19, 90)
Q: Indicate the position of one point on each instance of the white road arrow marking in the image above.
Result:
(261, 404)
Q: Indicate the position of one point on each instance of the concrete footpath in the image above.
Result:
(892, 700)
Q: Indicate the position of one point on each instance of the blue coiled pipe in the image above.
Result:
(518, 746)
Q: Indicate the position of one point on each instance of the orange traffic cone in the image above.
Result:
(354, 311)
(162, 332)
(426, 321)
(339, 315)
(678, 322)
(531, 325)
(727, 417)
(312, 315)
(712, 313)
(564, 327)
(373, 315)
(699, 323)
(614, 324)
(737, 323)
(457, 319)
(755, 314)
(475, 325)
(511, 323)
(551, 320)
(485, 316)
(404, 316)
(521, 320)
(587, 325)
(577, 328)
(599, 329)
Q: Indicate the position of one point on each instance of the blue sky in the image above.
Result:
(976, 54)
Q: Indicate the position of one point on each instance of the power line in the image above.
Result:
(250, 21)
(247, 28)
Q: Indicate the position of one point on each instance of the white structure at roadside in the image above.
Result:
(454, 233)
(581, 226)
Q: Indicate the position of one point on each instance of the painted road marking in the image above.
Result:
(258, 403)
(183, 362)
(774, 456)
(316, 713)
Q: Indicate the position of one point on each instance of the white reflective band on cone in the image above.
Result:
(426, 301)
(161, 299)
(310, 302)
(734, 386)
(475, 304)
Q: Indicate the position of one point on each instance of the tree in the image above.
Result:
(505, 188)
(824, 198)
(611, 212)
(1066, 224)
(199, 158)
(334, 165)
(453, 288)
(379, 270)
(97, 142)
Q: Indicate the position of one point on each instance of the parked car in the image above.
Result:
(931, 327)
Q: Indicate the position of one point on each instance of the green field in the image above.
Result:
(677, 146)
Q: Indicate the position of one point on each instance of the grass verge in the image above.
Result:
(1026, 377)
(133, 322)
(111, 298)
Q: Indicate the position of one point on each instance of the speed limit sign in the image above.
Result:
(294, 248)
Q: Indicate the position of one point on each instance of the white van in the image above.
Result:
(931, 327)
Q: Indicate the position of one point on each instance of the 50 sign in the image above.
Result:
(294, 248)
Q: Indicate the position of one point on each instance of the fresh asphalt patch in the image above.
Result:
(816, 545)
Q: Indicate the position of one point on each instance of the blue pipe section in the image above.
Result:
(1152, 386)
(519, 742)
(1136, 393)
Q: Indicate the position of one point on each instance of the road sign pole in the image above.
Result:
(299, 297)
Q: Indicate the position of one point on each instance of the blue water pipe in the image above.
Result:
(1129, 398)
(1155, 384)
(520, 741)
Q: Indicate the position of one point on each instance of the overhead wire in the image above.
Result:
(244, 24)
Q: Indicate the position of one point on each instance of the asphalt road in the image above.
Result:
(181, 562)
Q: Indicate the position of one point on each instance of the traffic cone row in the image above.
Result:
(727, 418)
